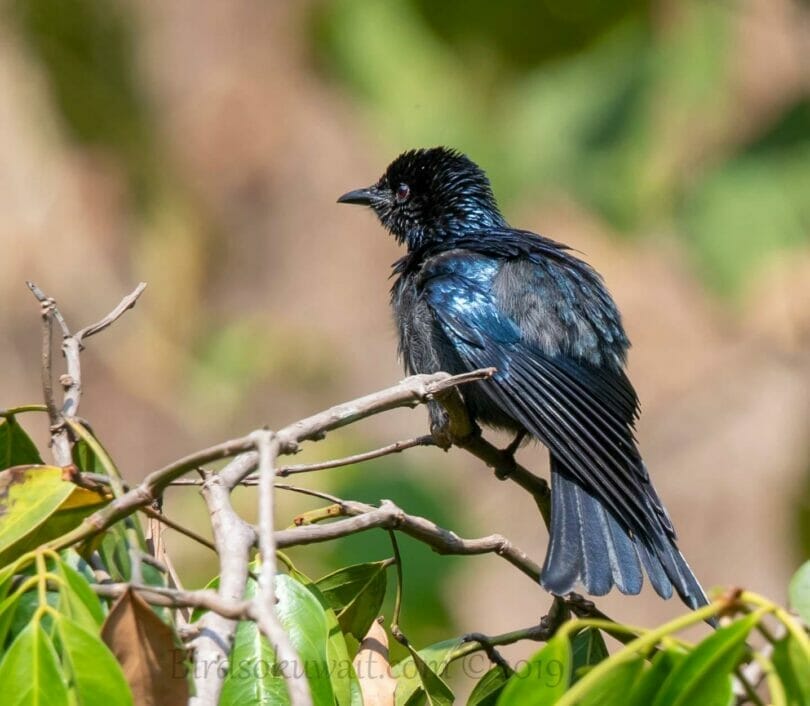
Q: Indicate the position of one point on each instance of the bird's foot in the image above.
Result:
(503, 471)
(440, 431)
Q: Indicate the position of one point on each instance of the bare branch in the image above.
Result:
(389, 516)
(178, 598)
(395, 448)
(50, 303)
(125, 304)
(297, 685)
(71, 381)
(177, 527)
(410, 392)
(283, 471)
(233, 538)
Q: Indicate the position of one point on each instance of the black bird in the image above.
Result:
(471, 293)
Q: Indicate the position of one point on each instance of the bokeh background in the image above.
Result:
(200, 145)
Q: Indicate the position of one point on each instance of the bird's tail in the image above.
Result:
(588, 545)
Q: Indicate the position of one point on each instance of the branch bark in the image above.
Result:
(267, 446)
(410, 392)
(71, 381)
(233, 538)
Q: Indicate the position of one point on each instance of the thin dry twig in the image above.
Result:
(388, 516)
(177, 527)
(284, 471)
(395, 448)
(123, 306)
(71, 381)
(179, 598)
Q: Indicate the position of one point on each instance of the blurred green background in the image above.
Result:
(200, 146)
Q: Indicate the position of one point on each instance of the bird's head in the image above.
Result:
(429, 194)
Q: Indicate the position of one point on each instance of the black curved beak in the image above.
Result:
(363, 197)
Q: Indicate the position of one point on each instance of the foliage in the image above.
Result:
(66, 645)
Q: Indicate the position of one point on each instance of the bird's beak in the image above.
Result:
(364, 197)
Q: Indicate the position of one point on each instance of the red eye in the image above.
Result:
(403, 192)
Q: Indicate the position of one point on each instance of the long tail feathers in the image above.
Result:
(588, 545)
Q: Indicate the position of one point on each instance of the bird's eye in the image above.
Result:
(403, 192)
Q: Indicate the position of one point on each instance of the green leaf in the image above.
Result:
(77, 600)
(114, 551)
(96, 676)
(407, 671)
(85, 459)
(704, 676)
(436, 690)
(490, 686)
(36, 505)
(30, 672)
(16, 447)
(254, 677)
(345, 684)
(612, 688)
(645, 690)
(356, 595)
(792, 665)
(543, 679)
(799, 592)
(26, 608)
(587, 648)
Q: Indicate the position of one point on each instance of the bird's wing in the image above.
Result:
(580, 412)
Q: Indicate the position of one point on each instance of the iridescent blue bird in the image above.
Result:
(472, 292)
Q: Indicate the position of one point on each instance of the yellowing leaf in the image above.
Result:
(36, 505)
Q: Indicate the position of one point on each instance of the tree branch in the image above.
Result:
(267, 446)
(412, 391)
(389, 516)
(123, 306)
(233, 538)
(71, 381)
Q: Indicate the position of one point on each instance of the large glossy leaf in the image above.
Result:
(345, 684)
(96, 676)
(645, 690)
(489, 687)
(587, 649)
(254, 677)
(543, 679)
(793, 667)
(704, 676)
(145, 647)
(612, 688)
(16, 448)
(341, 672)
(800, 592)
(356, 595)
(407, 672)
(30, 674)
(36, 505)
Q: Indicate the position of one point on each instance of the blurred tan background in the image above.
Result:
(200, 146)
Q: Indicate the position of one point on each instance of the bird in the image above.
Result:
(472, 292)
